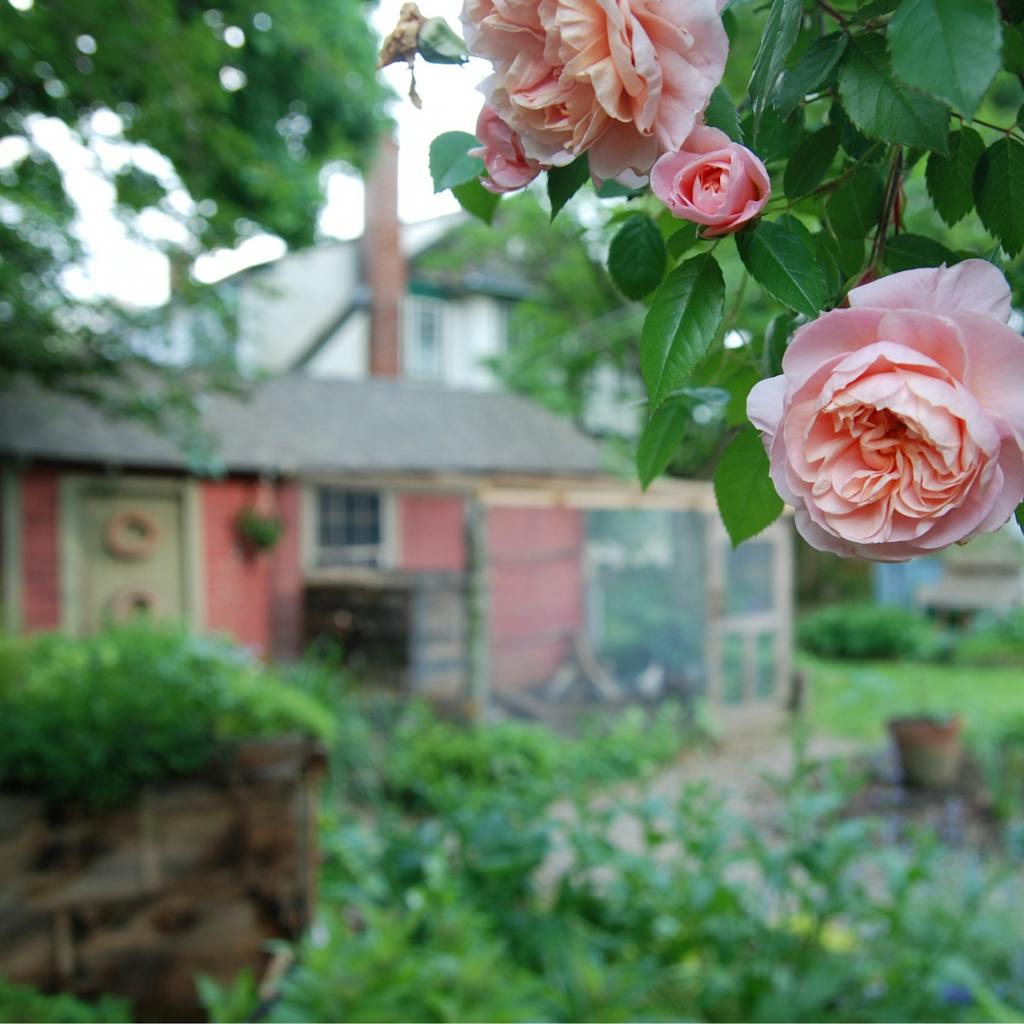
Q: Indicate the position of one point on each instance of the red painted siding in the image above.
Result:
(536, 591)
(237, 584)
(431, 531)
(40, 550)
(286, 576)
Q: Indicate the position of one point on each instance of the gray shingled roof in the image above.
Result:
(299, 424)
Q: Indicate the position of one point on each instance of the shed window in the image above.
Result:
(349, 527)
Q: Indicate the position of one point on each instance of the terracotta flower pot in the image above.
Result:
(930, 749)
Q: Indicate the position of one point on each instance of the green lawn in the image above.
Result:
(854, 699)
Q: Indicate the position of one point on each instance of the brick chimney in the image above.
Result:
(383, 262)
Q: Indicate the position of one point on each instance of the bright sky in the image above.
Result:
(122, 267)
(450, 103)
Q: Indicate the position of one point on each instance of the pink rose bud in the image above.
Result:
(896, 427)
(508, 167)
(619, 80)
(712, 181)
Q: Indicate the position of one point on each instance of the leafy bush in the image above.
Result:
(95, 719)
(24, 1003)
(432, 763)
(500, 913)
(998, 747)
(867, 631)
(993, 642)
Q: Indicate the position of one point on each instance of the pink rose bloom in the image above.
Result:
(508, 167)
(897, 425)
(712, 181)
(621, 80)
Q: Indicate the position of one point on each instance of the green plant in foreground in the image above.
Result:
(95, 719)
(23, 1003)
(497, 909)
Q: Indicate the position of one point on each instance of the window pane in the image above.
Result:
(349, 526)
(424, 339)
(765, 662)
(733, 682)
(749, 572)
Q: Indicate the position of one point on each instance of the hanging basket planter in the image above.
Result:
(258, 532)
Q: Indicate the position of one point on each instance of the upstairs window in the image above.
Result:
(424, 338)
(350, 527)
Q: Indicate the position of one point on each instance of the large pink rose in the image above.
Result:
(712, 181)
(508, 167)
(897, 425)
(622, 80)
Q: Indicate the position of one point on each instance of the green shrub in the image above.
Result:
(998, 748)
(861, 632)
(436, 763)
(465, 916)
(24, 1003)
(994, 641)
(433, 764)
(95, 719)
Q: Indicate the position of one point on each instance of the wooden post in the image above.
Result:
(478, 662)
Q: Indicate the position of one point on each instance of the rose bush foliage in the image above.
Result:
(871, 179)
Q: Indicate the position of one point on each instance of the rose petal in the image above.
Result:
(973, 286)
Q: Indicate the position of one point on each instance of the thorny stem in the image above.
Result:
(892, 189)
(834, 183)
(832, 12)
(987, 124)
(733, 314)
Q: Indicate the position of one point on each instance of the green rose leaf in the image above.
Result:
(854, 208)
(776, 338)
(783, 264)
(450, 163)
(908, 252)
(1019, 516)
(475, 199)
(948, 48)
(775, 139)
(637, 257)
(1013, 50)
(826, 248)
(439, 44)
(950, 179)
(738, 380)
(721, 114)
(746, 497)
(883, 108)
(780, 34)
(811, 70)
(681, 241)
(681, 324)
(999, 192)
(661, 439)
(810, 161)
(565, 182)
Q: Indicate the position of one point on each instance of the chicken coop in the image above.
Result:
(573, 597)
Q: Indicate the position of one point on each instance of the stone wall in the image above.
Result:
(192, 878)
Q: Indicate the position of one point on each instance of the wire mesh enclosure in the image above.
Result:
(603, 599)
(571, 597)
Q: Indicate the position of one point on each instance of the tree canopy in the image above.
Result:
(245, 102)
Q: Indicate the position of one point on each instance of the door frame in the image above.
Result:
(75, 486)
(751, 713)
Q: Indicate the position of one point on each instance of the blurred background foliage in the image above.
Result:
(244, 103)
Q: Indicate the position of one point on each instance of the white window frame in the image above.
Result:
(363, 557)
(414, 367)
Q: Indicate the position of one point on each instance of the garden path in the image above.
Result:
(738, 768)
